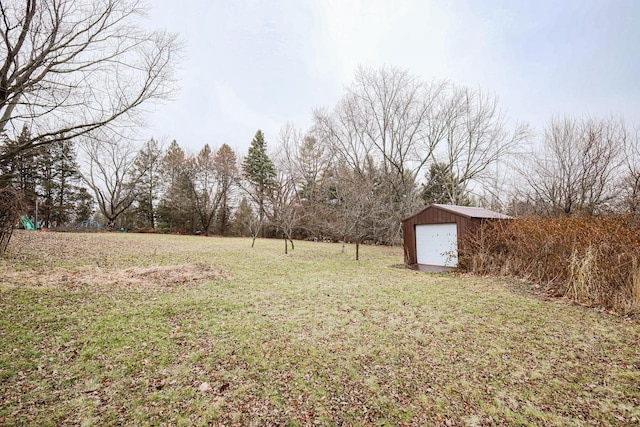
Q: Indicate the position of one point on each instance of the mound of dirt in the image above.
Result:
(156, 276)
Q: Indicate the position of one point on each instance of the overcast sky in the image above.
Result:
(252, 64)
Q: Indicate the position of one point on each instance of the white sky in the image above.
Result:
(253, 64)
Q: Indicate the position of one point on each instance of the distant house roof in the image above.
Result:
(467, 211)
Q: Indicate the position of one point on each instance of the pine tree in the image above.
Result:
(243, 219)
(46, 184)
(48, 173)
(443, 186)
(84, 205)
(260, 173)
(68, 182)
(21, 172)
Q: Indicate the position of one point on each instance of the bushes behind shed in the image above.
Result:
(591, 260)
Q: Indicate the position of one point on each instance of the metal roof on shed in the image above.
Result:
(473, 212)
(466, 211)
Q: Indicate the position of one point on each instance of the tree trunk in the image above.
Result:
(357, 249)
(286, 245)
(261, 217)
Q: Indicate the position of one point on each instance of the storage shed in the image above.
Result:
(433, 235)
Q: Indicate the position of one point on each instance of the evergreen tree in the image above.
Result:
(68, 182)
(260, 173)
(21, 172)
(48, 173)
(84, 205)
(243, 220)
(47, 184)
(443, 186)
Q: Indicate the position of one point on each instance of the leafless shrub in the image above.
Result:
(590, 260)
(578, 168)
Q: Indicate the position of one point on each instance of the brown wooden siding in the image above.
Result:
(433, 215)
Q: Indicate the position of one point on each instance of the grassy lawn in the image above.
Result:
(124, 329)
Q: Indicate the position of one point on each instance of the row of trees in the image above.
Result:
(357, 172)
(50, 175)
(392, 145)
(583, 166)
(70, 69)
(75, 73)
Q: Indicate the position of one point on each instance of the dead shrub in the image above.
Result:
(591, 260)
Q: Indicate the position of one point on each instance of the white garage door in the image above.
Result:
(437, 244)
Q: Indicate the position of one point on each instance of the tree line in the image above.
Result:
(392, 145)
(75, 78)
(50, 174)
(71, 69)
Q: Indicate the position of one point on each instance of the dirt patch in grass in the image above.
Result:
(95, 277)
(105, 260)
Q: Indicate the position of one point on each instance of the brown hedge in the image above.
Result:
(591, 260)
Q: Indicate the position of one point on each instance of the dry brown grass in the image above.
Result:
(96, 278)
(592, 261)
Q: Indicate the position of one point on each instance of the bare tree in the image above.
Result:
(303, 158)
(69, 67)
(577, 169)
(476, 138)
(10, 206)
(227, 176)
(356, 205)
(204, 187)
(385, 115)
(110, 172)
(404, 126)
(630, 184)
(287, 211)
(349, 187)
(305, 164)
(394, 111)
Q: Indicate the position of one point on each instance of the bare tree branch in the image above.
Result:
(576, 170)
(70, 67)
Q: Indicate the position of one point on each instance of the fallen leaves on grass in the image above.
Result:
(204, 387)
(313, 338)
